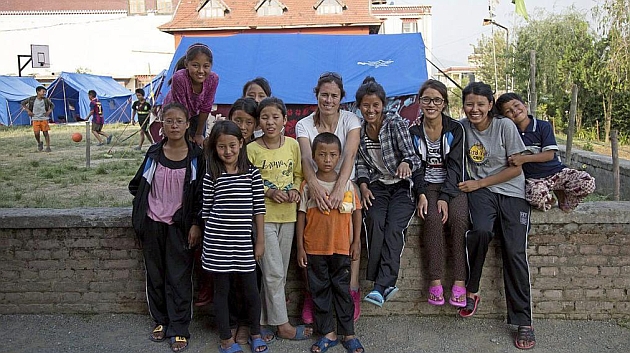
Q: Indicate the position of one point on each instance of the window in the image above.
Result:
(213, 9)
(270, 8)
(329, 7)
(164, 6)
(136, 7)
(409, 26)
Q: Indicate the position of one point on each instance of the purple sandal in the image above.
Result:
(436, 295)
(458, 292)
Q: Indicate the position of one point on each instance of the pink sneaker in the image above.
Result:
(356, 298)
(307, 309)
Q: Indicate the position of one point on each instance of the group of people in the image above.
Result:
(40, 108)
(246, 191)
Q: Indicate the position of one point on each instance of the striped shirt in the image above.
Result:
(229, 203)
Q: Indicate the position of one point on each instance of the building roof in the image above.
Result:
(242, 14)
(33, 6)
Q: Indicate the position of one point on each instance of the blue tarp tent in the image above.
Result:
(154, 88)
(69, 93)
(293, 62)
(13, 90)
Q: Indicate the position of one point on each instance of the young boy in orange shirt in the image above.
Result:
(327, 243)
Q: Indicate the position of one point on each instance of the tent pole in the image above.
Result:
(65, 103)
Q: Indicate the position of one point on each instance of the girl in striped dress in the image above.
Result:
(232, 196)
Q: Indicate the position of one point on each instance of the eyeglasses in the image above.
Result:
(330, 74)
(175, 122)
(428, 100)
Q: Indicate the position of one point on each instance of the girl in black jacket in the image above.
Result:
(439, 140)
(166, 218)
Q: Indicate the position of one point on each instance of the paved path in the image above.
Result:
(128, 333)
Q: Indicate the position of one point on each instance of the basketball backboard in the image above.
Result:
(39, 56)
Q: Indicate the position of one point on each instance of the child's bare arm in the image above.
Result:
(299, 230)
(259, 248)
(520, 159)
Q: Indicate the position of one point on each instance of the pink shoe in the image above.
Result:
(458, 296)
(356, 298)
(436, 295)
(307, 309)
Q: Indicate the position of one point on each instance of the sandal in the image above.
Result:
(375, 297)
(158, 334)
(471, 306)
(436, 295)
(299, 334)
(234, 348)
(176, 340)
(458, 295)
(267, 335)
(353, 345)
(390, 293)
(525, 338)
(256, 343)
(323, 344)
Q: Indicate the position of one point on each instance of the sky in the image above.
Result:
(457, 24)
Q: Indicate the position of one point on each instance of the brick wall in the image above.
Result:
(86, 261)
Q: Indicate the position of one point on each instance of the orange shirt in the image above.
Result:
(327, 234)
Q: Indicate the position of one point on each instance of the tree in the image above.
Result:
(563, 44)
(613, 71)
(494, 63)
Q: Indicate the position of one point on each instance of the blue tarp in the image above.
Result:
(293, 62)
(69, 93)
(153, 89)
(13, 90)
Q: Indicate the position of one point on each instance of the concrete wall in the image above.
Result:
(600, 167)
(87, 261)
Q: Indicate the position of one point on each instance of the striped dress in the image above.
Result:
(229, 203)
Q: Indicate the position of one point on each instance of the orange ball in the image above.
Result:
(77, 137)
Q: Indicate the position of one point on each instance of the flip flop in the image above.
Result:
(436, 292)
(234, 348)
(323, 344)
(256, 343)
(299, 334)
(265, 332)
(179, 339)
(375, 297)
(471, 306)
(390, 293)
(458, 292)
(158, 329)
(352, 345)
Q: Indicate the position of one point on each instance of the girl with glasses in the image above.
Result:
(439, 141)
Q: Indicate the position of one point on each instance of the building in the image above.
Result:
(106, 37)
(227, 17)
(405, 19)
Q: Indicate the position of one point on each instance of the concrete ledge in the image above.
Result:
(87, 261)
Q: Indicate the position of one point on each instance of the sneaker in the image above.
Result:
(137, 148)
(307, 310)
(48, 149)
(109, 139)
(356, 298)
(40, 146)
(100, 144)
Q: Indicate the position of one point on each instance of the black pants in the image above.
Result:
(249, 291)
(329, 283)
(169, 264)
(510, 215)
(385, 224)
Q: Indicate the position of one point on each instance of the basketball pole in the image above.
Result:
(22, 67)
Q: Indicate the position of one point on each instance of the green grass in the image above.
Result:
(61, 179)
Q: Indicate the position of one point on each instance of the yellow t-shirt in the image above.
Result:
(281, 169)
(327, 234)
